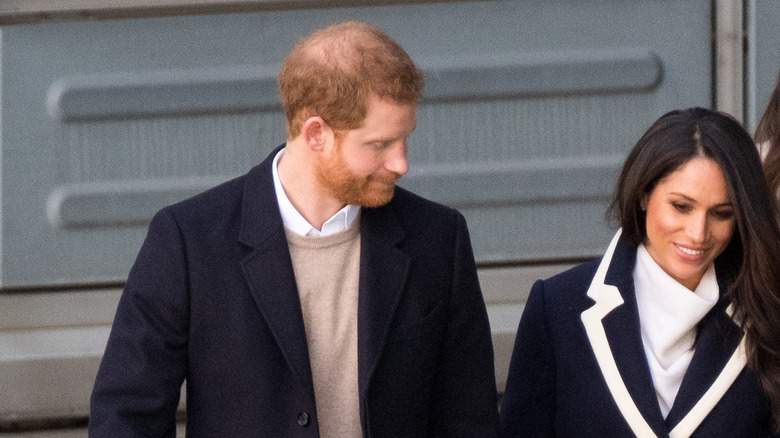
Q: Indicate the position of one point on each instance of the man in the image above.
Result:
(309, 297)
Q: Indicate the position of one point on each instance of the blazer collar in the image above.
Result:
(612, 327)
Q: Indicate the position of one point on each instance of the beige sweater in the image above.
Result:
(326, 273)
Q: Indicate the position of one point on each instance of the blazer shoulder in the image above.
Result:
(570, 284)
(583, 272)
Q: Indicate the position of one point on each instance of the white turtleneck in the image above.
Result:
(668, 315)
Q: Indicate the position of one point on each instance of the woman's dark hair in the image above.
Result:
(750, 264)
(768, 136)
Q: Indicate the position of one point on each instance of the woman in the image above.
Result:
(768, 140)
(675, 331)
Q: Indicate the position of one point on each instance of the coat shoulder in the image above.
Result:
(213, 200)
(218, 207)
(405, 202)
(419, 215)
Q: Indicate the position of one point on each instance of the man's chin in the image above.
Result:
(377, 199)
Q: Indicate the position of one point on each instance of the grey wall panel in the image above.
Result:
(253, 88)
(496, 75)
(119, 203)
(572, 223)
(484, 185)
(562, 150)
(530, 108)
(164, 93)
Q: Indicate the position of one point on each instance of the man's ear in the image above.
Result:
(316, 133)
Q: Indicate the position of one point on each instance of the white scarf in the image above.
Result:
(668, 315)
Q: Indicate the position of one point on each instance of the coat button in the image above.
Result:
(303, 419)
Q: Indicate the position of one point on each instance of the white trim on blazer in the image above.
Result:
(607, 298)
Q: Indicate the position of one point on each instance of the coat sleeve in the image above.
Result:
(138, 385)
(528, 407)
(465, 403)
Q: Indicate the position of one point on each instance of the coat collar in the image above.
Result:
(268, 269)
(383, 274)
(269, 273)
(612, 327)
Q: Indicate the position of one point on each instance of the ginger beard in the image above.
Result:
(335, 176)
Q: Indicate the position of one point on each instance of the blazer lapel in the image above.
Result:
(383, 274)
(612, 327)
(268, 270)
(717, 361)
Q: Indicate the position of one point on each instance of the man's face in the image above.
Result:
(364, 164)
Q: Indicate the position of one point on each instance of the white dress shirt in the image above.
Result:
(295, 222)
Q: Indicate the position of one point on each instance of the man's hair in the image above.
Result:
(332, 73)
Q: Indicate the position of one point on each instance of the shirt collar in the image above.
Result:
(295, 222)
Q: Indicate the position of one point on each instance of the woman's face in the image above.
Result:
(690, 220)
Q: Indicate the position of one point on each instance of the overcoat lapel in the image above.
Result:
(269, 272)
(383, 274)
(270, 277)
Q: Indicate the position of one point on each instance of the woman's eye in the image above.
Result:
(682, 208)
(723, 215)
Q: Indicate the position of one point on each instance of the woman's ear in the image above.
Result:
(316, 133)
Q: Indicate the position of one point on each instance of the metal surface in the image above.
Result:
(729, 54)
(525, 121)
(14, 12)
(763, 59)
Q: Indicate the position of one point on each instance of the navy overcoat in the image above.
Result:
(211, 300)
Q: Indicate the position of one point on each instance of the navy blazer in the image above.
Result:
(579, 368)
(211, 300)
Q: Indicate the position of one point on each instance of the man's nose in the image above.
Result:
(396, 159)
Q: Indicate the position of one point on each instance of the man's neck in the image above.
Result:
(296, 173)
